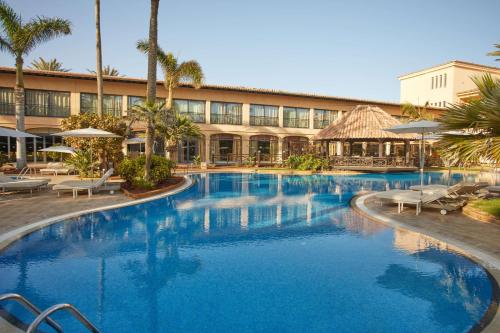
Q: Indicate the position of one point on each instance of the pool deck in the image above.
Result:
(479, 240)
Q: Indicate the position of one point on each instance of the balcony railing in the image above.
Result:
(295, 122)
(44, 111)
(225, 119)
(194, 117)
(8, 108)
(318, 124)
(337, 161)
(264, 121)
(106, 111)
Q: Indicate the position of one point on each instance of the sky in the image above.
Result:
(345, 48)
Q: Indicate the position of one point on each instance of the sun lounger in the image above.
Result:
(432, 200)
(81, 185)
(8, 184)
(57, 168)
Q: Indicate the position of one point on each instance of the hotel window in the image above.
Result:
(194, 110)
(440, 81)
(295, 117)
(444, 83)
(225, 113)
(323, 118)
(46, 103)
(264, 115)
(432, 82)
(139, 100)
(112, 104)
(7, 101)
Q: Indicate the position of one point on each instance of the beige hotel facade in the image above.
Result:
(236, 122)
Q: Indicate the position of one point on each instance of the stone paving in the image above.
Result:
(18, 209)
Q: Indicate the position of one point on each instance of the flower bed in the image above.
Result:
(165, 186)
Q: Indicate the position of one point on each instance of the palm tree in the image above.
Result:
(19, 39)
(48, 65)
(166, 123)
(480, 119)
(173, 128)
(151, 84)
(175, 73)
(108, 71)
(495, 53)
(415, 112)
(98, 50)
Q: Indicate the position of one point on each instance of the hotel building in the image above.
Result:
(444, 84)
(235, 121)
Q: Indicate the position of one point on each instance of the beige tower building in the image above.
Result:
(443, 84)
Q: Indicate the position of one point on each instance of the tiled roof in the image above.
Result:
(364, 122)
(88, 76)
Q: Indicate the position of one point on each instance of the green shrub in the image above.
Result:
(306, 162)
(197, 161)
(81, 161)
(132, 170)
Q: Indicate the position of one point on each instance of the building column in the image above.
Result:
(340, 148)
(245, 145)
(364, 148)
(207, 155)
(311, 118)
(407, 152)
(280, 116)
(245, 114)
(44, 146)
(280, 149)
(124, 106)
(207, 112)
(34, 150)
(75, 103)
(380, 148)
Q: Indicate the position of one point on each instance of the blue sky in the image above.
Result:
(342, 48)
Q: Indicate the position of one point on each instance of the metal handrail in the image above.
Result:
(23, 172)
(74, 311)
(28, 305)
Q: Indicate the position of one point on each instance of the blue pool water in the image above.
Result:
(249, 253)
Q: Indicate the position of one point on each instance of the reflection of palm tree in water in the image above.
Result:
(157, 272)
(460, 287)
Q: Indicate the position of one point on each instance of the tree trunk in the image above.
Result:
(170, 97)
(98, 50)
(151, 85)
(19, 98)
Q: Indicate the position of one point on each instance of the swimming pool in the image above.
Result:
(249, 253)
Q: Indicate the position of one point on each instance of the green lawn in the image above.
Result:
(491, 206)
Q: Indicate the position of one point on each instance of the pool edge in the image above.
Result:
(11, 236)
(490, 322)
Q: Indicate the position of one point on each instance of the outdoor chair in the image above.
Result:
(439, 200)
(57, 168)
(8, 184)
(80, 185)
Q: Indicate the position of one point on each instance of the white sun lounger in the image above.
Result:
(81, 185)
(434, 200)
(8, 184)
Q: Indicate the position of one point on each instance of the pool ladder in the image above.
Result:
(42, 316)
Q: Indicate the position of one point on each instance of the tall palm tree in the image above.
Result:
(48, 65)
(415, 112)
(108, 71)
(151, 83)
(19, 39)
(480, 119)
(495, 53)
(98, 50)
(175, 73)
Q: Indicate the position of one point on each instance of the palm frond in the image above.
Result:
(495, 53)
(6, 46)
(11, 22)
(50, 65)
(143, 46)
(191, 71)
(41, 29)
